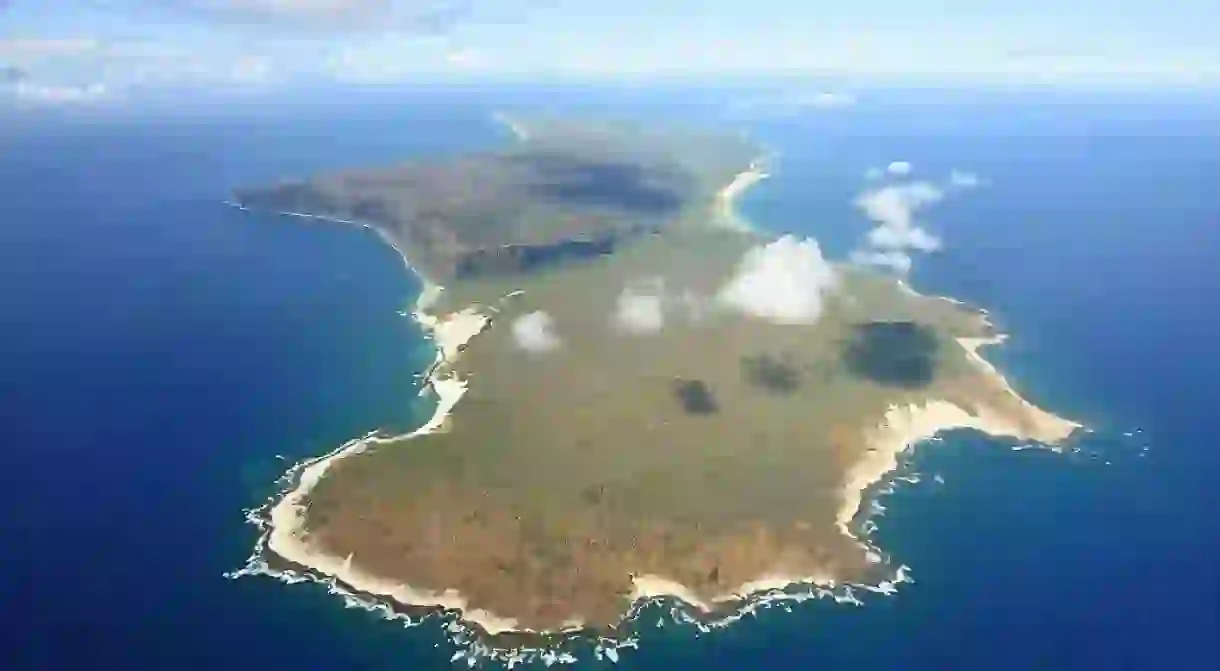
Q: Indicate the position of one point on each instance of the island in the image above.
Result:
(637, 394)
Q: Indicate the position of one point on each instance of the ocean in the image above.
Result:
(166, 357)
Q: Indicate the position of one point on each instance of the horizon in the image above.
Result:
(125, 52)
(170, 356)
(704, 102)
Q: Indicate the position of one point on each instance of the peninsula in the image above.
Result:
(637, 394)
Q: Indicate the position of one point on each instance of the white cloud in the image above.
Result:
(828, 100)
(895, 237)
(416, 15)
(467, 59)
(696, 306)
(535, 332)
(923, 241)
(31, 48)
(321, 9)
(549, 37)
(398, 58)
(793, 103)
(899, 262)
(898, 203)
(88, 68)
(964, 180)
(30, 92)
(893, 207)
(639, 312)
(785, 281)
(369, 64)
(250, 70)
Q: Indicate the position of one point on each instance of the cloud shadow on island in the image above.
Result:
(695, 397)
(574, 181)
(892, 353)
(777, 375)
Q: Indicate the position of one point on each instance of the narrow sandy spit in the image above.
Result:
(520, 134)
(726, 199)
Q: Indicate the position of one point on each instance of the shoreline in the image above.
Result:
(901, 429)
(725, 210)
(519, 132)
(430, 290)
(286, 517)
(904, 427)
(283, 524)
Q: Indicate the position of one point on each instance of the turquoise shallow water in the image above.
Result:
(161, 349)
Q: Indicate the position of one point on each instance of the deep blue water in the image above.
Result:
(159, 350)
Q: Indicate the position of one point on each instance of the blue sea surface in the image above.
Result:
(166, 357)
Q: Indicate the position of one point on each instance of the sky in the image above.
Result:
(71, 51)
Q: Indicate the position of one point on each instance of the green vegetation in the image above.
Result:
(572, 191)
(712, 450)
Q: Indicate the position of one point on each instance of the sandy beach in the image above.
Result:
(646, 587)
(650, 587)
(517, 129)
(901, 428)
(287, 538)
(905, 426)
(454, 331)
(725, 210)
(1046, 427)
(770, 583)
